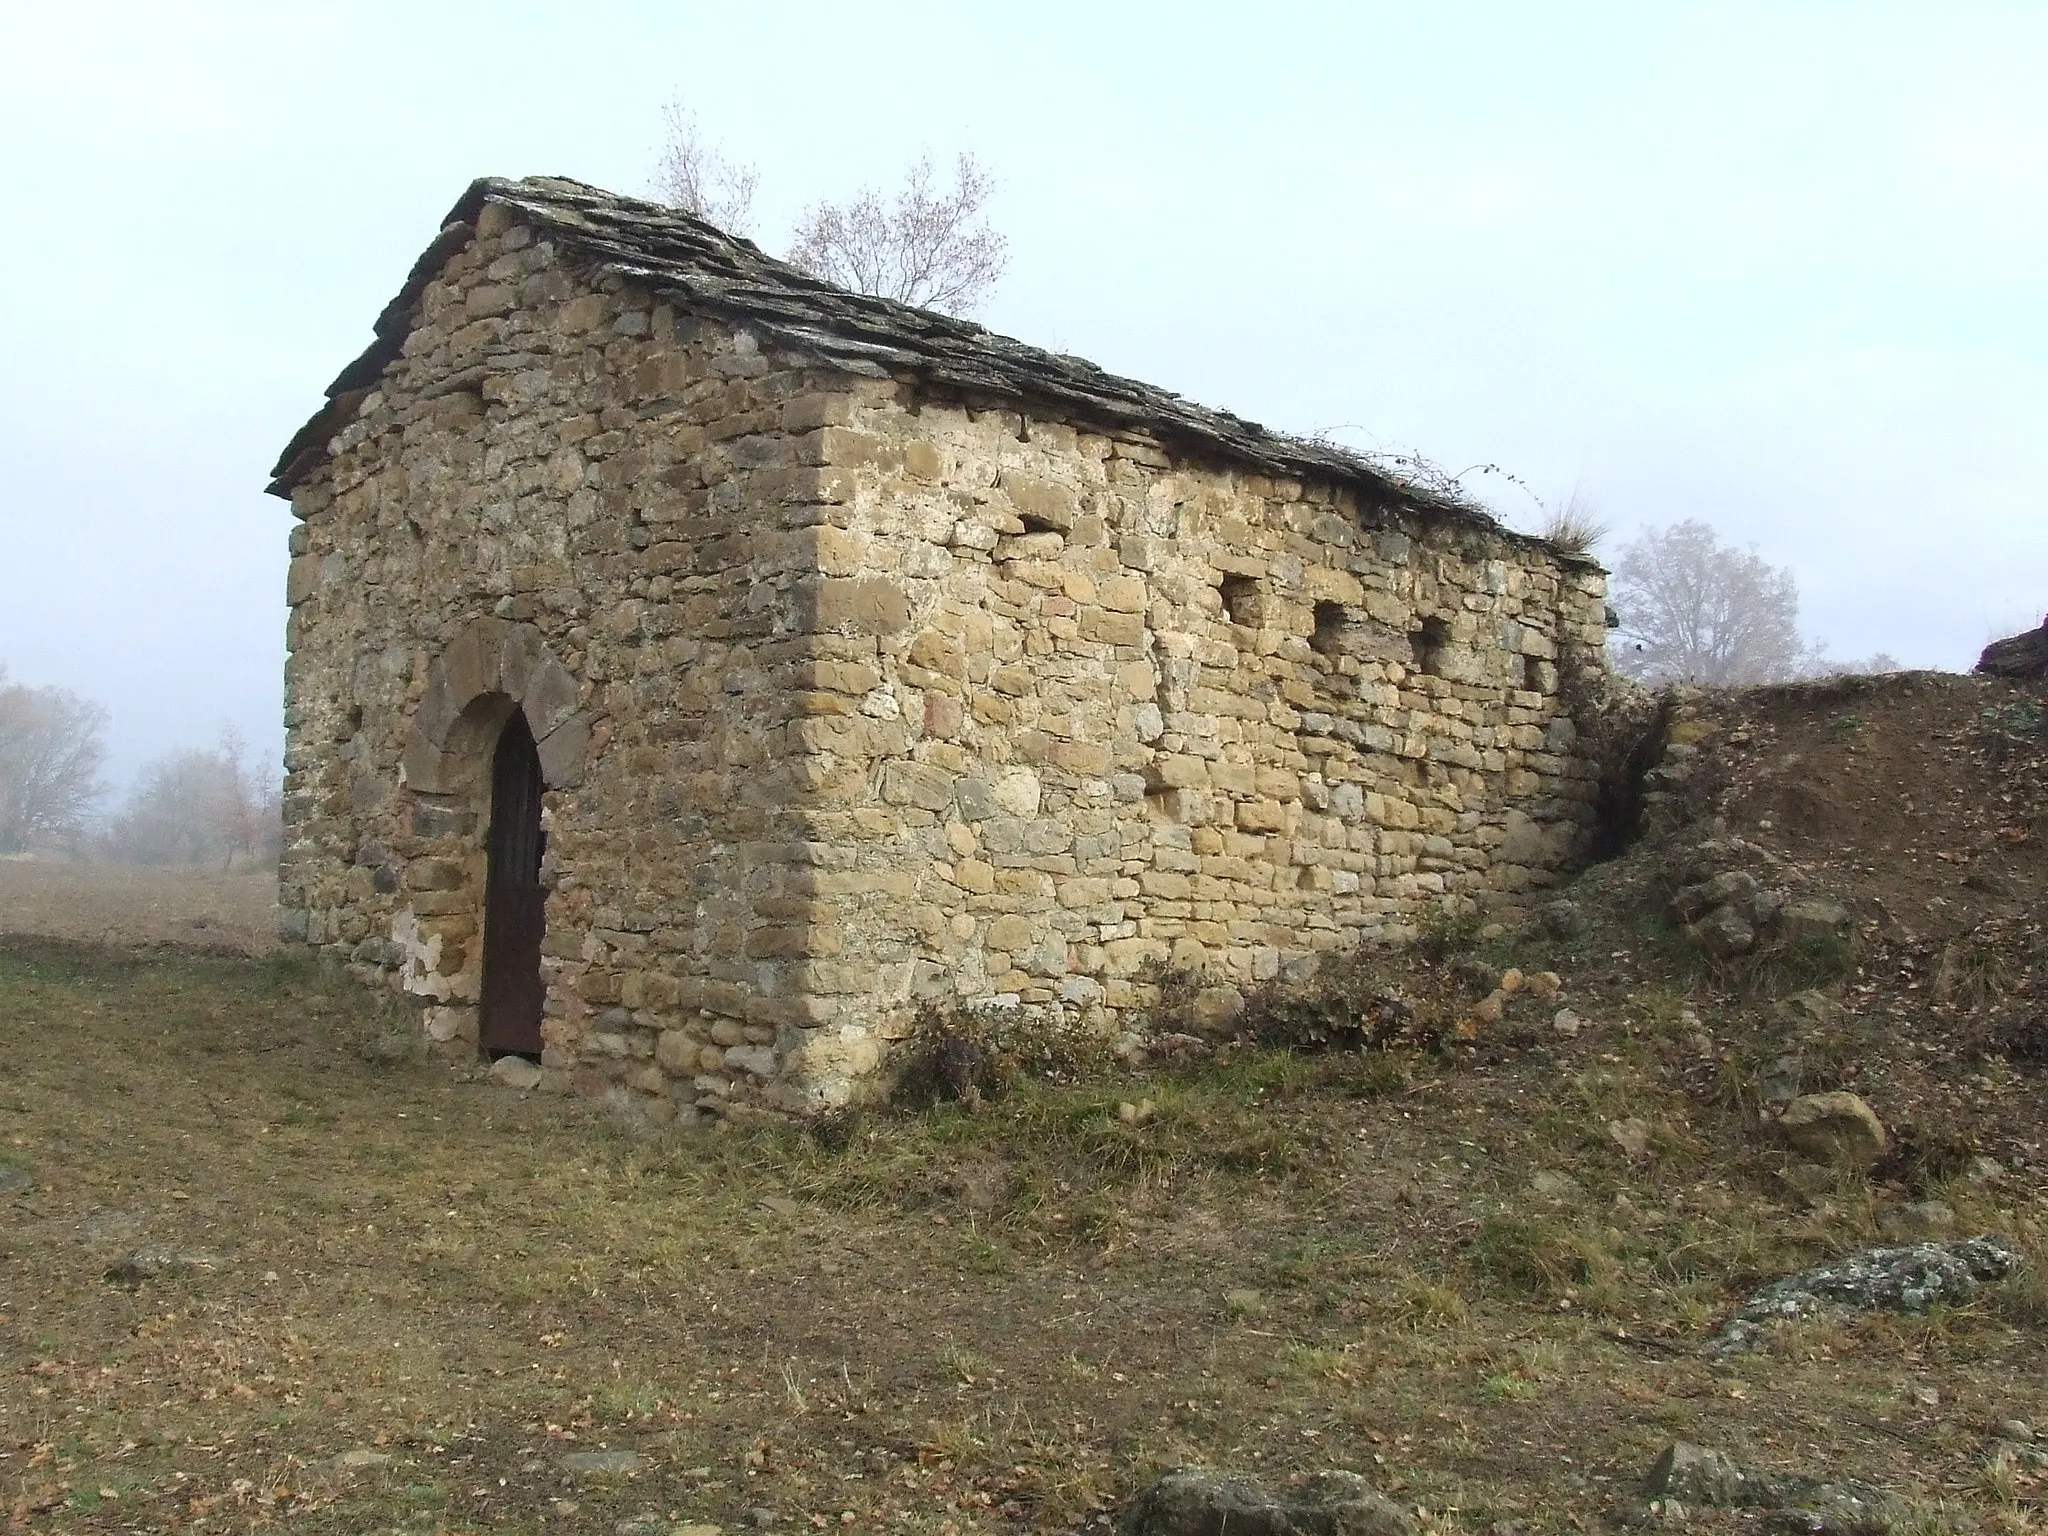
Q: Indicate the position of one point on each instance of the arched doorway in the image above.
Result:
(514, 901)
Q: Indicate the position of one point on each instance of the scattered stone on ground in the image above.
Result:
(1909, 1278)
(1693, 1474)
(1815, 917)
(1632, 1136)
(1778, 1083)
(14, 1180)
(1562, 918)
(1918, 1221)
(515, 1072)
(1724, 933)
(2012, 1445)
(1566, 1023)
(1195, 1501)
(1836, 1127)
(603, 1463)
(1558, 1188)
(1723, 914)
(1215, 1009)
(1805, 1012)
(154, 1261)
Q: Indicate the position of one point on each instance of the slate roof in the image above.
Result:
(704, 269)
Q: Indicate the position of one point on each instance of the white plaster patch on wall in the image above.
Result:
(420, 958)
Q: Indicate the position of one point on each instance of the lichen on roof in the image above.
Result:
(702, 268)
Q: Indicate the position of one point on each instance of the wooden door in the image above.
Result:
(514, 902)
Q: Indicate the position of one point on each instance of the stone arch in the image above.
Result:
(493, 667)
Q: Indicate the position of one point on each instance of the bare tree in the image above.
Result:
(926, 246)
(694, 176)
(199, 805)
(52, 747)
(1695, 610)
(249, 803)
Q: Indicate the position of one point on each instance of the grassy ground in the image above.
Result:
(252, 1275)
(258, 1280)
(234, 910)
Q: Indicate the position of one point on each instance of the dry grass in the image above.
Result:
(1574, 528)
(129, 904)
(952, 1319)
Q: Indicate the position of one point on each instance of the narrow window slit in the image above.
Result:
(1429, 641)
(1241, 602)
(1327, 639)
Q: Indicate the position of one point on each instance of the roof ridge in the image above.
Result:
(674, 251)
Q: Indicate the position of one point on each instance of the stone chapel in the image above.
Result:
(695, 666)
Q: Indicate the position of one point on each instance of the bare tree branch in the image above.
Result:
(932, 248)
(694, 176)
(52, 747)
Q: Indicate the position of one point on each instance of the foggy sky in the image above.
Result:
(1775, 266)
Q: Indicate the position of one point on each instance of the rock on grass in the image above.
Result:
(1693, 1474)
(1835, 1128)
(1905, 1279)
(1194, 1501)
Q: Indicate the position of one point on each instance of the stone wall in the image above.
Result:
(1107, 710)
(628, 496)
(850, 697)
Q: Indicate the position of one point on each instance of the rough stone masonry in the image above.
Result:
(871, 658)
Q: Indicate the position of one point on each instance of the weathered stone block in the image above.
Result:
(870, 605)
(1011, 934)
(920, 784)
(435, 875)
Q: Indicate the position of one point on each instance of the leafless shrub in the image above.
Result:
(976, 1054)
(694, 176)
(923, 245)
(52, 747)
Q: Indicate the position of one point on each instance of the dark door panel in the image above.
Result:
(515, 904)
